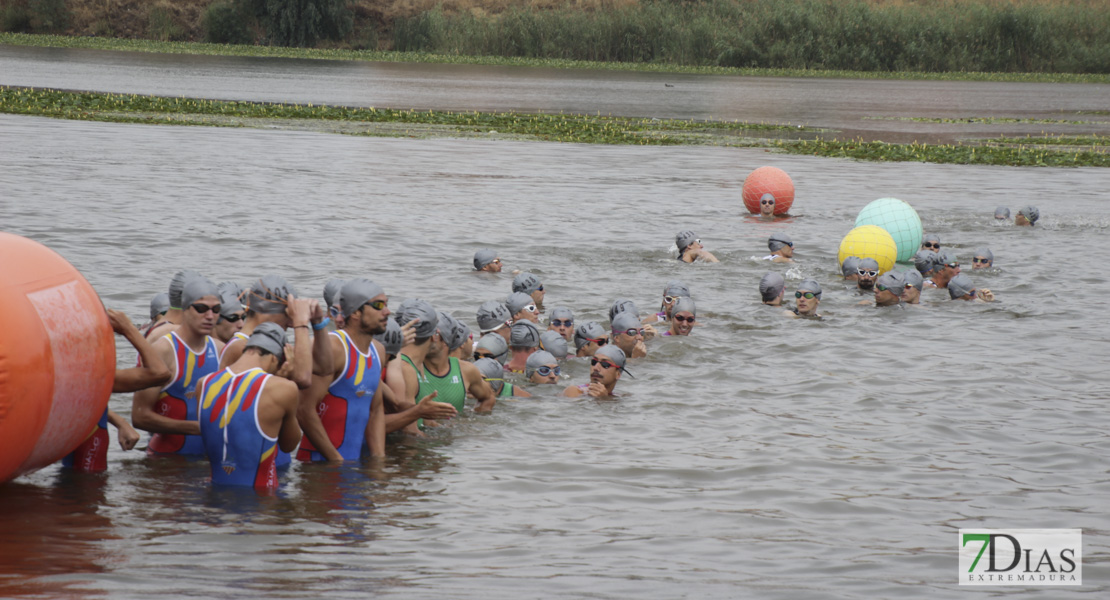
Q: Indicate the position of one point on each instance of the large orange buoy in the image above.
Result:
(768, 180)
(57, 357)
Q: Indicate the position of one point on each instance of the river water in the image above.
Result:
(759, 457)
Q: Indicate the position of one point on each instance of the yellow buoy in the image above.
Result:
(870, 241)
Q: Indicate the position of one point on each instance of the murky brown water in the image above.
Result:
(853, 108)
(761, 457)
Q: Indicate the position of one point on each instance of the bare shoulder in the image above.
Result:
(572, 392)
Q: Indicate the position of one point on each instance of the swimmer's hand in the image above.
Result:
(128, 437)
(120, 323)
(429, 409)
(639, 350)
(985, 295)
(286, 369)
(408, 330)
(300, 310)
(596, 390)
(650, 332)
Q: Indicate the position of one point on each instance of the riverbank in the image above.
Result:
(927, 36)
(130, 108)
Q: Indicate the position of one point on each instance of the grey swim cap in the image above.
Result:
(483, 257)
(684, 305)
(767, 196)
(554, 343)
(524, 334)
(159, 304)
(614, 354)
(491, 370)
(960, 286)
(770, 286)
(684, 239)
(1002, 213)
(943, 259)
(778, 240)
(810, 285)
(925, 261)
(269, 295)
(494, 344)
(526, 282)
(1030, 213)
(931, 237)
(914, 278)
(895, 281)
(623, 305)
(562, 313)
(331, 291)
(517, 301)
(229, 302)
(625, 321)
(356, 293)
(414, 308)
(462, 334)
(850, 266)
(676, 288)
(584, 332)
(231, 287)
(177, 284)
(197, 288)
(868, 264)
(492, 315)
(985, 253)
(446, 328)
(269, 337)
(538, 359)
(392, 338)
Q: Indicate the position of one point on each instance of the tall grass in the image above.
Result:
(859, 35)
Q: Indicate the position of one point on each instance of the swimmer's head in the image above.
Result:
(538, 363)
(526, 283)
(683, 241)
(778, 241)
(771, 286)
(554, 343)
(231, 307)
(811, 286)
(849, 266)
(589, 332)
(1002, 213)
(492, 346)
(445, 327)
(392, 338)
(931, 241)
(492, 372)
(914, 278)
(177, 284)
(676, 288)
(331, 292)
(269, 337)
(485, 258)
(623, 305)
(159, 304)
(357, 293)
(925, 261)
(524, 334)
(613, 355)
(960, 287)
(767, 204)
(867, 271)
(518, 301)
(889, 288)
(983, 258)
(197, 288)
(415, 308)
(1028, 214)
(493, 315)
(270, 295)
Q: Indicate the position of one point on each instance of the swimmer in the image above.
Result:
(931, 241)
(331, 303)
(159, 305)
(926, 262)
(230, 320)
(492, 346)
(685, 313)
(523, 341)
(393, 339)
(494, 375)
(889, 288)
(487, 260)
(407, 378)
(808, 297)
(451, 379)
(771, 287)
(527, 283)
(947, 269)
(494, 317)
(674, 290)
(628, 334)
(1027, 216)
(850, 268)
(767, 206)
(781, 247)
(562, 321)
(92, 454)
(551, 341)
(606, 367)
(246, 413)
(463, 344)
(170, 411)
(588, 337)
(542, 368)
(625, 305)
(1002, 213)
(983, 259)
(867, 271)
(690, 248)
(914, 283)
(961, 288)
(522, 307)
(173, 316)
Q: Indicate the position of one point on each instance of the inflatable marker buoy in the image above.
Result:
(57, 357)
(869, 241)
(899, 219)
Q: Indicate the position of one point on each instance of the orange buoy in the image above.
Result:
(57, 357)
(768, 180)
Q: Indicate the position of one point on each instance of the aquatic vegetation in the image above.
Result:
(962, 154)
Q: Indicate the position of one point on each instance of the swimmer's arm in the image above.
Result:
(572, 392)
(395, 381)
(299, 311)
(427, 409)
(232, 352)
(288, 398)
(153, 371)
(708, 257)
(477, 386)
(375, 428)
(323, 361)
(142, 404)
(127, 435)
(309, 419)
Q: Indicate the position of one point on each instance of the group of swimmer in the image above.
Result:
(218, 378)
